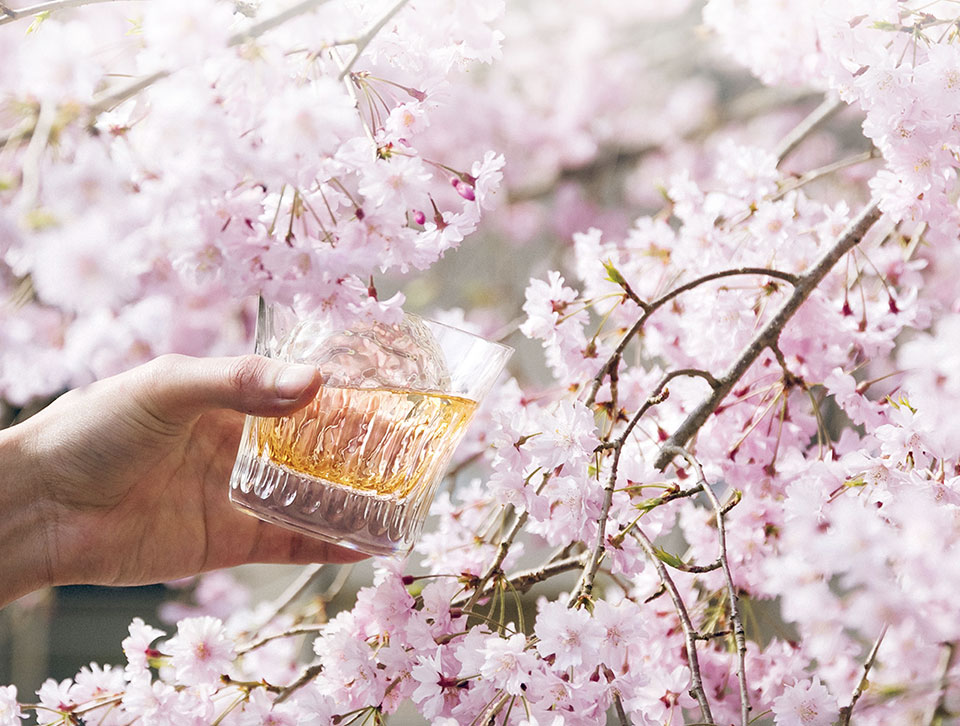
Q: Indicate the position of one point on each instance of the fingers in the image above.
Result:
(179, 388)
(277, 545)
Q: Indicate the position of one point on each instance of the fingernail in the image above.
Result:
(293, 380)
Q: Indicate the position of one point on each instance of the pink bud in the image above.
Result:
(418, 216)
(464, 190)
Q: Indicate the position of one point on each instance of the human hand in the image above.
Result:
(124, 481)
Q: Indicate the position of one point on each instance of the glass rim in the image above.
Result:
(510, 350)
(264, 304)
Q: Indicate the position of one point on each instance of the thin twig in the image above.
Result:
(364, 40)
(622, 717)
(309, 673)
(488, 716)
(847, 710)
(121, 94)
(739, 635)
(33, 157)
(293, 591)
(502, 549)
(291, 633)
(823, 171)
(830, 105)
(940, 713)
(614, 360)
(9, 14)
(584, 589)
(128, 90)
(770, 333)
(695, 569)
(690, 633)
(258, 29)
(525, 579)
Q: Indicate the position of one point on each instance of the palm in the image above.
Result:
(152, 493)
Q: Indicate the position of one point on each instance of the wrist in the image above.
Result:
(24, 561)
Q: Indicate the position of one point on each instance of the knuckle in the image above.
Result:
(246, 372)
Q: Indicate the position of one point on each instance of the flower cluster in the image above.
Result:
(733, 494)
(896, 61)
(243, 157)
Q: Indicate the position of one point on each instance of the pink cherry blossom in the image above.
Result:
(10, 712)
(200, 651)
(807, 703)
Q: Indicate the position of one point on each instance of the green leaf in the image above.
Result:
(613, 274)
(37, 19)
(669, 559)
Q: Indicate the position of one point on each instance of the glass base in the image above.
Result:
(368, 523)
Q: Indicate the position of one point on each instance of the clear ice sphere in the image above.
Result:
(371, 355)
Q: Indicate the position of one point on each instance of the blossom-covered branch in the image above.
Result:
(767, 336)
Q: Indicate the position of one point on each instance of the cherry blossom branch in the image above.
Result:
(770, 333)
(650, 308)
(847, 710)
(121, 94)
(112, 98)
(290, 633)
(489, 714)
(502, 550)
(823, 171)
(134, 87)
(739, 635)
(258, 29)
(10, 15)
(830, 105)
(525, 579)
(309, 673)
(584, 589)
(939, 714)
(30, 184)
(690, 633)
(749, 105)
(364, 40)
(622, 717)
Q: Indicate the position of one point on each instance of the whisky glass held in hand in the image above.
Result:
(360, 464)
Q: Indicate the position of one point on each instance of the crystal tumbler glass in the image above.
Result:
(359, 465)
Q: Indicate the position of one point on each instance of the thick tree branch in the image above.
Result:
(770, 332)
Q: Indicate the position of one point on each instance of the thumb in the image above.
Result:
(179, 388)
